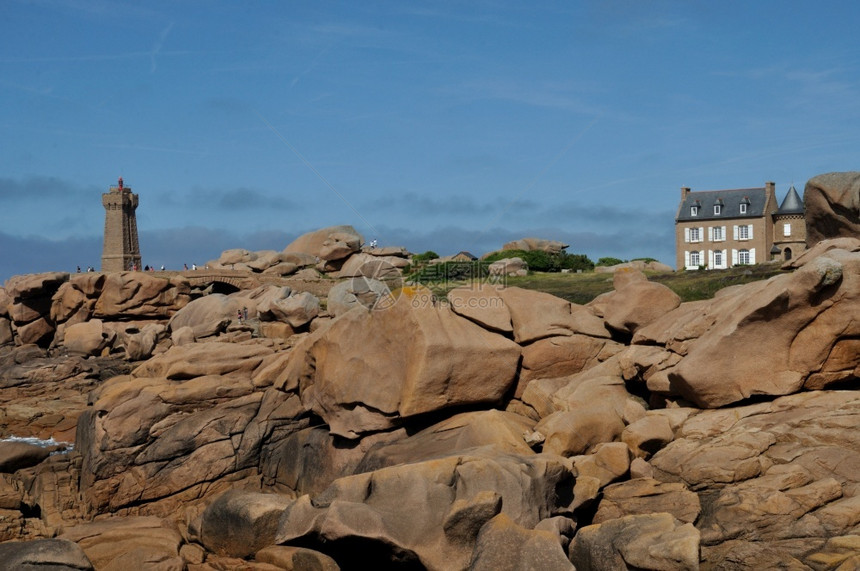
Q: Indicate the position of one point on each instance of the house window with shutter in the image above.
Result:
(694, 235)
(718, 259)
(743, 257)
(743, 232)
(718, 234)
(694, 258)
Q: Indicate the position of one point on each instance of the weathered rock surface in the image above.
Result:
(502, 544)
(832, 206)
(805, 319)
(648, 496)
(59, 554)
(772, 471)
(15, 455)
(182, 426)
(455, 497)
(508, 267)
(653, 541)
(536, 315)
(119, 544)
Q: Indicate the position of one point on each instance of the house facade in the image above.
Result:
(719, 229)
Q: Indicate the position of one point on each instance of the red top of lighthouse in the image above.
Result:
(120, 183)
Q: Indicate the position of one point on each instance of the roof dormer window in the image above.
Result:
(743, 208)
(717, 209)
(694, 211)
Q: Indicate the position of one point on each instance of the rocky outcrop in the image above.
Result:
(653, 541)
(804, 319)
(638, 265)
(540, 244)
(832, 206)
(494, 428)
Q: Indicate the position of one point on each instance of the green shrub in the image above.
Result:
(425, 257)
(445, 272)
(609, 261)
(540, 261)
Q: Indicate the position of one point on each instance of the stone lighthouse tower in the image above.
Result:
(121, 250)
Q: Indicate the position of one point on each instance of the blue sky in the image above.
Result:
(432, 125)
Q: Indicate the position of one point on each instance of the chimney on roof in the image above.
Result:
(770, 191)
(685, 190)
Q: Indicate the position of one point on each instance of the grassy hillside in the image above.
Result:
(692, 285)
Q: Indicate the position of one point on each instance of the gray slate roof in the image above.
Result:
(731, 204)
(792, 203)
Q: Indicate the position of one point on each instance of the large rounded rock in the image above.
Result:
(805, 320)
(348, 294)
(502, 544)
(371, 368)
(332, 243)
(30, 286)
(240, 523)
(635, 302)
(832, 205)
(139, 294)
(207, 315)
(483, 305)
(296, 310)
(15, 455)
(508, 267)
(88, 338)
(236, 256)
(536, 315)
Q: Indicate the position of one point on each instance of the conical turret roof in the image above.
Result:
(792, 203)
